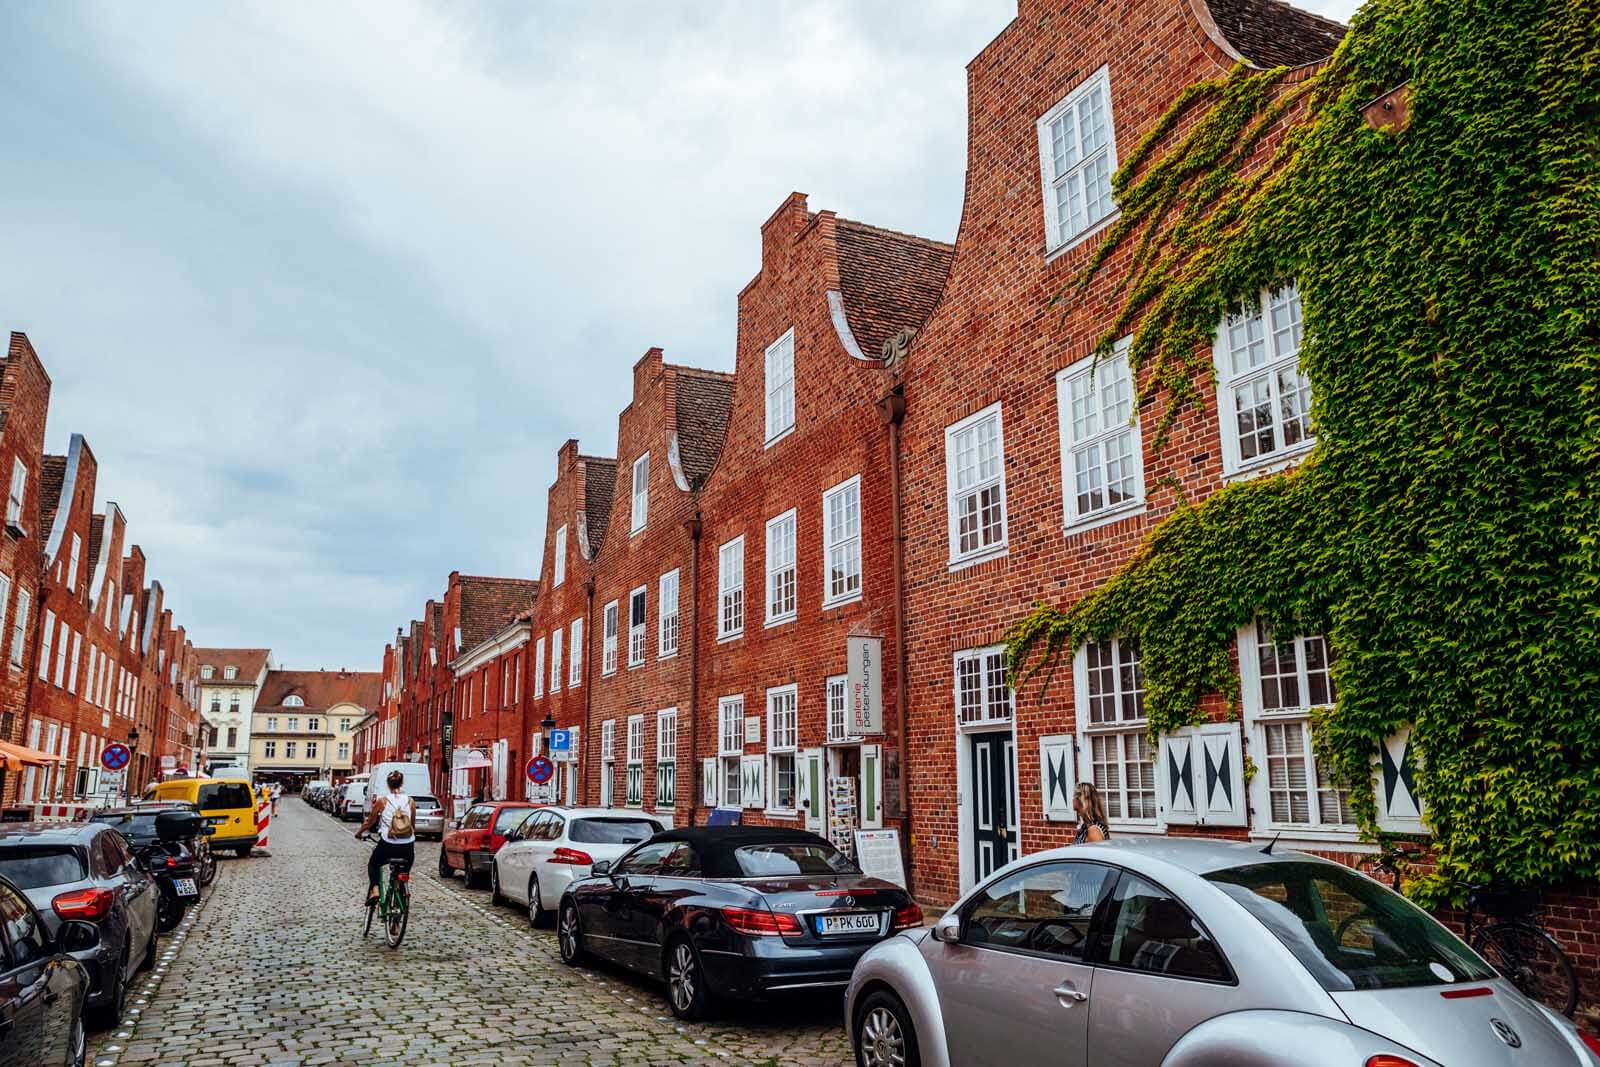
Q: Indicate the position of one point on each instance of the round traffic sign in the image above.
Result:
(540, 769)
(115, 757)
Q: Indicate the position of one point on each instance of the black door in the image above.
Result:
(994, 809)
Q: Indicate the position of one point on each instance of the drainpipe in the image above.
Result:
(892, 409)
(588, 686)
(694, 527)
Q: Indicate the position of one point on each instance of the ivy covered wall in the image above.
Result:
(1445, 531)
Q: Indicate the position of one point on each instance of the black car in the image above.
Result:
(42, 987)
(732, 911)
(84, 871)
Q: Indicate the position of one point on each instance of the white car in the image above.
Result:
(555, 846)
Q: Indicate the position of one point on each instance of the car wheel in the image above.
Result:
(537, 913)
(883, 1033)
(687, 994)
(570, 934)
(495, 898)
(150, 951)
(109, 1013)
(77, 1043)
(444, 864)
(473, 878)
(169, 913)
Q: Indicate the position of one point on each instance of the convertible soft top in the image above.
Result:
(715, 845)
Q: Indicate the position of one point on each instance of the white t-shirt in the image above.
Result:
(392, 803)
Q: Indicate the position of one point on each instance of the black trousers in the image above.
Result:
(385, 852)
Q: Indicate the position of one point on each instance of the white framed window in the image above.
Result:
(293, 701)
(63, 641)
(608, 763)
(982, 695)
(311, 750)
(1283, 680)
(783, 734)
(270, 748)
(838, 696)
(5, 602)
(47, 640)
(841, 542)
(666, 758)
(780, 386)
(19, 491)
(641, 494)
(288, 749)
(1263, 395)
(1102, 460)
(974, 455)
(575, 655)
(555, 660)
(1077, 157)
(559, 572)
(72, 564)
(230, 673)
(294, 722)
(72, 663)
(635, 789)
(19, 625)
(730, 589)
(730, 749)
(538, 668)
(667, 623)
(636, 627)
(344, 750)
(608, 652)
(1109, 690)
(781, 568)
(208, 671)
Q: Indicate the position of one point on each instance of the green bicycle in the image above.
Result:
(394, 903)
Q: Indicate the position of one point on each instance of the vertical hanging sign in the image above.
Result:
(865, 658)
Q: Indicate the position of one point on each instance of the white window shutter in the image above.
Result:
(1400, 807)
(1176, 770)
(753, 770)
(1056, 778)
(809, 768)
(871, 795)
(708, 782)
(1219, 774)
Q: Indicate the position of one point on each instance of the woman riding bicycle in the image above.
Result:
(395, 816)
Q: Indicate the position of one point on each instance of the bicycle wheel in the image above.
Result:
(399, 911)
(1533, 962)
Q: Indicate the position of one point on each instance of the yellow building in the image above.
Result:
(304, 723)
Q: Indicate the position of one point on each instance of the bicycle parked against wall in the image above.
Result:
(394, 902)
(1509, 936)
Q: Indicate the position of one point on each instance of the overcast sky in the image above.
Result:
(326, 285)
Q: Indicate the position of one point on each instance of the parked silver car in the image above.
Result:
(430, 818)
(1186, 952)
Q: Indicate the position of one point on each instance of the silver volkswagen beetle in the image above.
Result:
(1181, 952)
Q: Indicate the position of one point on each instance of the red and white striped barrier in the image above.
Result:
(263, 821)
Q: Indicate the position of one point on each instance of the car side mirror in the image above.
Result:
(76, 935)
(603, 868)
(948, 929)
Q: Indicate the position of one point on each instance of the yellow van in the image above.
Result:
(216, 797)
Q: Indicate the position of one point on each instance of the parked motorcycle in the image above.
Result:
(172, 864)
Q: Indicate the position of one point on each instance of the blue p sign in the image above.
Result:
(560, 740)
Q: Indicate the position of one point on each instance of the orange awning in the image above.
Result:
(14, 757)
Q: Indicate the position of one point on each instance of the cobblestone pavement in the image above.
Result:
(272, 969)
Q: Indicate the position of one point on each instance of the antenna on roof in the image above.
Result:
(1268, 850)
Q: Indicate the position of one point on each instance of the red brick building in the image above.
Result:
(1027, 477)
(487, 625)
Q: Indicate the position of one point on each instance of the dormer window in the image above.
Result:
(1077, 156)
(207, 671)
(230, 673)
(293, 701)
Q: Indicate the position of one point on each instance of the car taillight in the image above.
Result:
(762, 923)
(172, 861)
(83, 904)
(907, 918)
(1590, 1042)
(571, 855)
(1385, 1060)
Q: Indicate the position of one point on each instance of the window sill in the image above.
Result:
(1303, 837)
(782, 813)
(961, 563)
(1152, 827)
(723, 639)
(638, 530)
(851, 598)
(603, 674)
(1104, 518)
(779, 621)
(632, 666)
(1273, 464)
(1052, 254)
(779, 436)
(660, 656)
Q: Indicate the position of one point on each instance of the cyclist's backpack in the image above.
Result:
(400, 822)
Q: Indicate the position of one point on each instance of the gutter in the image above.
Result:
(892, 409)
(694, 527)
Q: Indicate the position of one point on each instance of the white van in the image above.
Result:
(350, 801)
(416, 782)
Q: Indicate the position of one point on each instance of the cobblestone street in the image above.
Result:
(274, 971)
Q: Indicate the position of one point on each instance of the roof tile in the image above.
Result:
(890, 281)
(1270, 33)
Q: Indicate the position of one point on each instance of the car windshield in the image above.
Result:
(798, 857)
(509, 819)
(1349, 931)
(225, 796)
(37, 866)
(612, 831)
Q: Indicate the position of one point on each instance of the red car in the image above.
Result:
(471, 846)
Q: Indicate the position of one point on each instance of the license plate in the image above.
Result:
(186, 887)
(857, 922)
